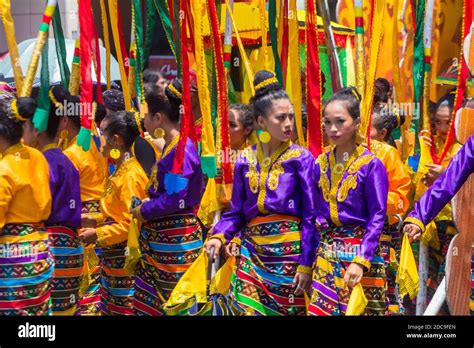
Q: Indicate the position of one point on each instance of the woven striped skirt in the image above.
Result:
(89, 300)
(390, 244)
(68, 255)
(337, 249)
(116, 284)
(26, 270)
(263, 281)
(169, 246)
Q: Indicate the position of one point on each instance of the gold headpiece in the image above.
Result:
(175, 91)
(54, 100)
(266, 82)
(15, 112)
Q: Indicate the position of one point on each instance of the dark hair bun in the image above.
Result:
(174, 91)
(264, 82)
(26, 107)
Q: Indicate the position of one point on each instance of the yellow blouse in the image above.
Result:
(399, 181)
(92, 168)
(128, 180)
(24, 186)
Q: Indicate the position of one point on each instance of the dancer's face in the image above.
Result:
(278, 120)
(238, 132)
(442, 120)
(339, 125)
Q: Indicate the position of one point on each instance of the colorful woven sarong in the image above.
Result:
(390, 244)
(472, 282)
(116, 284)
(263, 282)
(337, 249)
(89, 302)
(68, 255)
(169, 246)
(26, 270)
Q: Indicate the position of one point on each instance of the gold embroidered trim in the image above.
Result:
(304, 269)
(118, 172)
(415, 221)
(330, 186)
(153, 179)
(362, 261)
(277, 168)
(262, 194)
(252, 174)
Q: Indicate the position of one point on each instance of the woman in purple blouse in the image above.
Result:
(65, 216)
(171, 236)
(273, 206)
(351, 204)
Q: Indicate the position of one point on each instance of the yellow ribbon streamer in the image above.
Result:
(7, 19)
(115, 34)
(75, 80)
(294, 69)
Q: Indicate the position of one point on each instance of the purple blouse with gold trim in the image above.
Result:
(183, 202)
(352, 194)
(280, 184)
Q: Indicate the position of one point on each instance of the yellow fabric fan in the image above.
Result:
(407, 275)
(357, 301)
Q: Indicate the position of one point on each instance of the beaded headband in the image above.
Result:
(15, 112)
(175, 91)
(266, 82)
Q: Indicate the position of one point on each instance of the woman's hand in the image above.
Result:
(413, 231)
(88, 235)
(232, 249)
(426, 137)
(87, 221)
(302, 281)
(435, 171)
(353, 274)
(213, 242)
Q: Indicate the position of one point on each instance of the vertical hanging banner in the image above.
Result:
(86, 22)
(9, 28)
(272, 16)
(61, 53)
(223, 138)
(313, 76)
(375, 43)
(295, 70)
(174, 181)
(39, 44)
(113, 11)
(105, 30)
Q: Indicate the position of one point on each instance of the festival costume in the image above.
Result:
(351, 205)
(399, 186)
(93, 172)
(62, 226)
(171, 237)
(272, 206)
(26, 263)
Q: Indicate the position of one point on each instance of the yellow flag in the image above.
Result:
(407, 275)
(357, 301)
